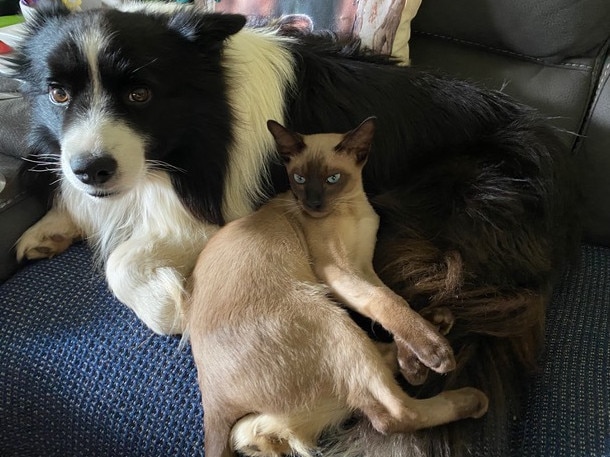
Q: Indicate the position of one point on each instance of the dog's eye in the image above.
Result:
(299, 179)
(139, 95)
(333, 179)
(58, 95)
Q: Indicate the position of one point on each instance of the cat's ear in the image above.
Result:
(288, 143)
(358, 141)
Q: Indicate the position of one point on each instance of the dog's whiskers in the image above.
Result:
(145, 65)
(160, 165)
(44, 170)
(43, 160)
(57, 181)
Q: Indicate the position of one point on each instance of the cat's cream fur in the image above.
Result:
(278, 360)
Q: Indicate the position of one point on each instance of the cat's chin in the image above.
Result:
(316, 214)
(313, 213)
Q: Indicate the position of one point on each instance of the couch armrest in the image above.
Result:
(594, 152)
(18, 208)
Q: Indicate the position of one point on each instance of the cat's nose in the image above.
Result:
(314, 204)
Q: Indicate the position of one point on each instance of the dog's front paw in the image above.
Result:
(143, 275)
(51, 235)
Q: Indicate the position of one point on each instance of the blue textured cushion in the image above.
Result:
(81, 376)
(568, 412)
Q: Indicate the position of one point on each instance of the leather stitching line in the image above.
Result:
(504, 51)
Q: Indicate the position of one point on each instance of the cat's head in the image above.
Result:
(324, 168)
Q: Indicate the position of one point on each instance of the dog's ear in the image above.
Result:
(45, 10)
(288, 143)
(207, 30)
(358, 141)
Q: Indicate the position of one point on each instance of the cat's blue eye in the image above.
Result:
(299, 179)
(332, 179)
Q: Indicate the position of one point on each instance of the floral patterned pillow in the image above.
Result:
(382, 25)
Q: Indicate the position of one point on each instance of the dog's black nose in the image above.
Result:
(93, 170)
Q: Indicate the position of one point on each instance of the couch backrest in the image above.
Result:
(548, 29)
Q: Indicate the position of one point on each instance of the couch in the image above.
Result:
(81, 376)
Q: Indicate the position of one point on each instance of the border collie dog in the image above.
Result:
(153, 124)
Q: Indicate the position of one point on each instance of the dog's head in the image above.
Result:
(115, 94)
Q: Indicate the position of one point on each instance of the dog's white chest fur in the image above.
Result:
(149, 242)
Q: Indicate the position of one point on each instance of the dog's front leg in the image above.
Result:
(51, 235)
(148, 275)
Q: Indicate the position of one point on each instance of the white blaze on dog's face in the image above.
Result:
(101, 154)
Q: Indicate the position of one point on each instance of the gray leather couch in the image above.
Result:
(551, 54)
(81, 376)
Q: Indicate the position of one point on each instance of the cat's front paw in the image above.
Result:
(429, 346)
(412, 369)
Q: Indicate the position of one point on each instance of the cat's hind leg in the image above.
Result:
(372, 389)
(390, 410)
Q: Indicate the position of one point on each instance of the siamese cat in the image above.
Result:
(278, 359)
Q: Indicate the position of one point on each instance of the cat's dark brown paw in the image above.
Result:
(441, 317)
(410, 367)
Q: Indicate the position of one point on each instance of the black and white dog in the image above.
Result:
(155, 124)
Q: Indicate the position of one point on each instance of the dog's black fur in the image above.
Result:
(475, 191)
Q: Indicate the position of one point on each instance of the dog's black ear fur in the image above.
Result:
(19, 63)
(207, 30)
(45, 10)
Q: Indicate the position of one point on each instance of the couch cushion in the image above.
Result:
(559, 91)
(383, 25)
(568, 403)
(82, 376)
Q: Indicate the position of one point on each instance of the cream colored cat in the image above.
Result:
(278, 360)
